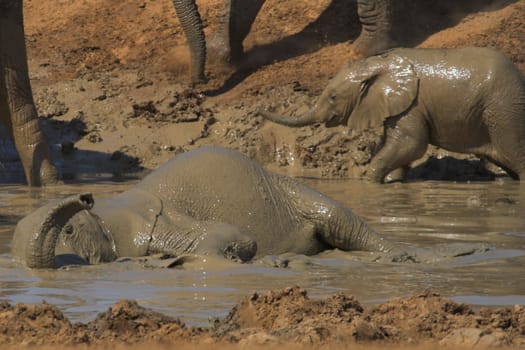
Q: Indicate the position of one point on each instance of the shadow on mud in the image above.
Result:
(413, 22)
(450, 169)
(74, 164)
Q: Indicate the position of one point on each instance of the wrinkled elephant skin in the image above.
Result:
(207, 201)
(17, 108)
(469, 100)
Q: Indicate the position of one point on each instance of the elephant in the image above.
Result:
(239, 15)
(17, 109)
(466, 100)
(210, 200)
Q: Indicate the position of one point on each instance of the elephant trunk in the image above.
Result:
(41, 243)
(191, 23)
(296, 121)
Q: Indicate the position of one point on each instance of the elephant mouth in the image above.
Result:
(333, 120)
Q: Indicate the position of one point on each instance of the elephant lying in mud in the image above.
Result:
(17, 108)
(239, 15)
(469, 100)
(207, 201)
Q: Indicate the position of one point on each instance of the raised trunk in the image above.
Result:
(42, 236)
(294, 121)
(191, 23)
(17, 108)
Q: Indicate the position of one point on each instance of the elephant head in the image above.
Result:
(69, 221)
(362, 95)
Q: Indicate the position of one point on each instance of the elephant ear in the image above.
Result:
(389, 86)
(130, 218)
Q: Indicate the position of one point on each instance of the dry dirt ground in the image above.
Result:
(274, 319)
(110, 79)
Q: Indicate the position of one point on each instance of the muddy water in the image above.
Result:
(424, 217)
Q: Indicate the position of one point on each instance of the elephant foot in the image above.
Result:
(368, 44)
(221, 54)
(397, 175)
(48, 174)
(374, 175)
(45, 175)
(198, 80)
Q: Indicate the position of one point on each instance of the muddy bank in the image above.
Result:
(111, 82)
(275, 318)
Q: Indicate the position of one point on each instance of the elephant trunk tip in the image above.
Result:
(87, 200)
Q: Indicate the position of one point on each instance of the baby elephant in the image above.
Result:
(208, 201)
(469, 100)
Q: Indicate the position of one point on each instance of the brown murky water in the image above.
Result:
(425, 216)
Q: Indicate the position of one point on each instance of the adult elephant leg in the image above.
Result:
(236, 23)
(17, 108)
(191, 23)
(376, 21)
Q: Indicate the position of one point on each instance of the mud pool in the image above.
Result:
(421, 216)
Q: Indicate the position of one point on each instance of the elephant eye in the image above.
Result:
(68, 229)
(332, 98)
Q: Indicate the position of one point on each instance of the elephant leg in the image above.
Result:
(513, 165)
(191, 23)
(405, 141)
(507, 148)
(324, 222)
(376, 21)
(17, 108)
(236, 23)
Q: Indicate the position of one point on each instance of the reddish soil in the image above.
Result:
(277, 317)
(111, 81)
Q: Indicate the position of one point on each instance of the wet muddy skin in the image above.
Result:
(113, 95)
(436, 220)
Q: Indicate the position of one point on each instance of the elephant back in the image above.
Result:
(218, 184)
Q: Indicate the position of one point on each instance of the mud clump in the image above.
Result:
(127, 322)
(185, 106)
(277, 317)
(289, 315)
